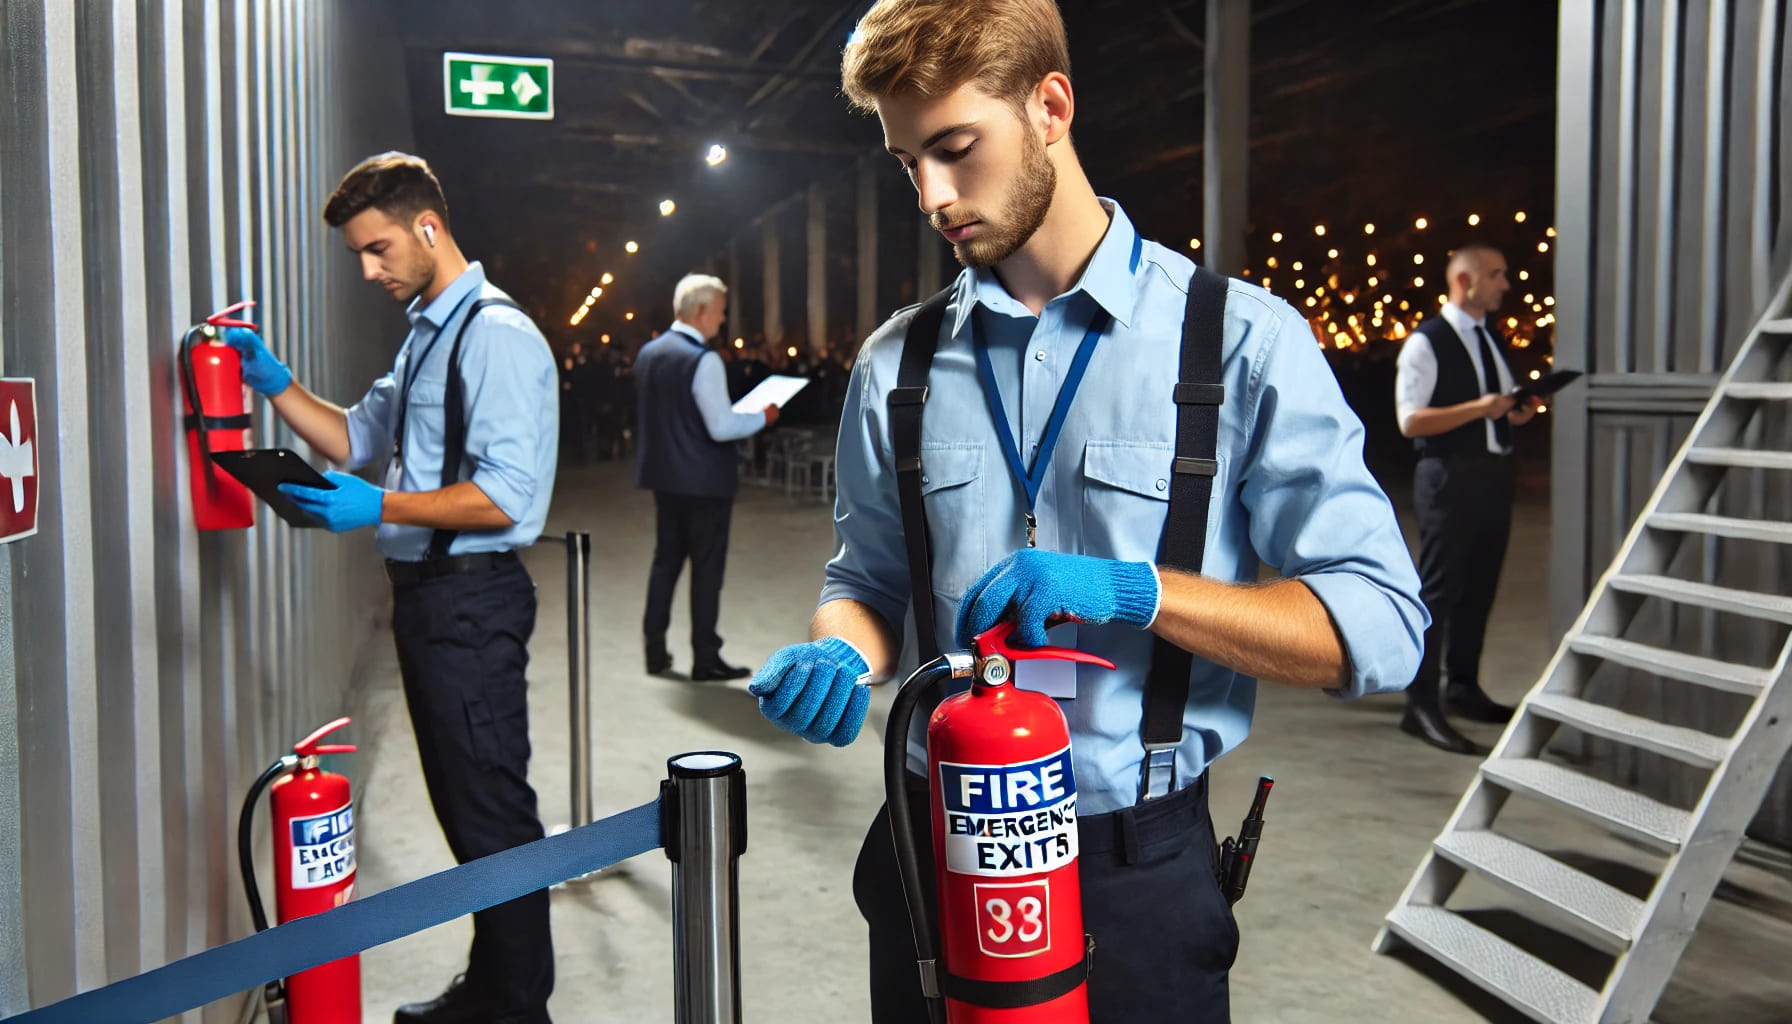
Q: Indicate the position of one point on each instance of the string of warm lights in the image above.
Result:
(1353, 297)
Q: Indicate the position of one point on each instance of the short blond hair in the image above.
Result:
(931, 47)
(694, 292)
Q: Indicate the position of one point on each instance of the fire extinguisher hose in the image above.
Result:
(908, 861)
(245, 836)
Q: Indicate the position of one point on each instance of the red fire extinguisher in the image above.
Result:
(314, 870)
(217, 420)
(1003, 812)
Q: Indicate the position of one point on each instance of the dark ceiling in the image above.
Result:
(1359, 110)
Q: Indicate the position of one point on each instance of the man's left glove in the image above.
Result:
(353, 504)
(1038, 589)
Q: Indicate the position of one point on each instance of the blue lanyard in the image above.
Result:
(1033, 479)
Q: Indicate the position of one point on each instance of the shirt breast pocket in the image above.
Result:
(952, 491)
(1125, 498)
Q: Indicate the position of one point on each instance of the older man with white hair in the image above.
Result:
(686, 457)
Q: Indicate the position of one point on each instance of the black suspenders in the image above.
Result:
(454, 426)
(1198, 397)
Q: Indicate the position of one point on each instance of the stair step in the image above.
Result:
(1722, 526)
(1690, 746)
(1627, 812)
(1527, 983)
(1766, 390)
(1704, 595)
(1720, 675)
(1603, 915)
(1742, 458)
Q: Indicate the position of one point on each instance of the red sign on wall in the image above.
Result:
(18, 458)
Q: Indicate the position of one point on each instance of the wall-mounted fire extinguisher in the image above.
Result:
(313, 815)
(217, 420)
(1003, 809)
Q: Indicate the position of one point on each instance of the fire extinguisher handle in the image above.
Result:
(309, 746)
(995, 641)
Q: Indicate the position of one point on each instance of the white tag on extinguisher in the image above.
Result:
(1050, 676)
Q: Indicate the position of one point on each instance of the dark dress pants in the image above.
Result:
(1464, 505)
(1164, 935)
(463, 647)
(695, 528)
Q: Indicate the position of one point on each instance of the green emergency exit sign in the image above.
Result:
(482, 85)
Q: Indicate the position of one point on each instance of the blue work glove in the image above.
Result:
(353, 504)
(261, 371)
(813, 690)
(1038, 589)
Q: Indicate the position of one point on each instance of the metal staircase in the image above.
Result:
(1645, 935)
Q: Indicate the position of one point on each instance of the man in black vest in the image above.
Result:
(686, 457)
(1453, 398)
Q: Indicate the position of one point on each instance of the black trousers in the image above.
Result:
(694, 528)
(1465, 516)
(1164, 935)
(463, 647)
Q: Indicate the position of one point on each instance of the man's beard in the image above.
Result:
(1028, 202)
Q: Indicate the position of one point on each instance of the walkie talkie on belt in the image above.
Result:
(1237, 855)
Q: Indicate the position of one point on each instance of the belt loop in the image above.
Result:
(1126, 827)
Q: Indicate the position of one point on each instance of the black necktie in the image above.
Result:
(1502, 431)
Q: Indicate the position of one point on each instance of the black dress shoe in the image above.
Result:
(1431, 727)
(659, 660)
(1472, 703)
(459, 1005)
(717, 672)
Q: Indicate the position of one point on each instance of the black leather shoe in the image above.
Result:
(1472, 703)
(717, 672)
(458, 1005)
(1431, 727)
(659, 660)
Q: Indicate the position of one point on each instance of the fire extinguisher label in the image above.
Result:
(1009, 819)
(323, 848)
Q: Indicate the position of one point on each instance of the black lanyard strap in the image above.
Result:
(413, 368)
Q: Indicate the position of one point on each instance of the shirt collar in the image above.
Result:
(1109, 279)
(1458, 318)
(437, 312)
(690, 333)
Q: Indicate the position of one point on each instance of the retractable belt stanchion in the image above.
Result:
(578, 666)
(703, 824)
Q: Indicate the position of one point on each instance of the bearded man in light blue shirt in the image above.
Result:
(976, 105)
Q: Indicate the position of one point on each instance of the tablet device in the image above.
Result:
(263, 470)
(1549, 384)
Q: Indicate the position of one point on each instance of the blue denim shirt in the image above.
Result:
(1292, 489)
(513, 418)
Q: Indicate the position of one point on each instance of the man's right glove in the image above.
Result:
(261, 371)
(813, 690)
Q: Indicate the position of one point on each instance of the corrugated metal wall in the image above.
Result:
(1674, 187)
(160, 159)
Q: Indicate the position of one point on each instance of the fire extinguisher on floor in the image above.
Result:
(313, 815)
(217, 420)
(1003, 810)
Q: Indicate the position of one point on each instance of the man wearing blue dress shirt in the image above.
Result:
(686, 457)
(468, 425)
(976, 105)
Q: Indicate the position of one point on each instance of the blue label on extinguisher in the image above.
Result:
(1009, 819)
(323, 848)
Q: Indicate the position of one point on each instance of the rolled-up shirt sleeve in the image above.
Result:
(709, 386)
(1415, 378)
(370, 423)
(869, 565)
(1320, 517)
(509, 373)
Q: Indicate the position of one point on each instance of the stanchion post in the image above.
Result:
(703, 818)
(578, 668)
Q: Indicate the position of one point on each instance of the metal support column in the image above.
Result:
(704, 829)
(774, 317)
(868, 313)
(1226, 146)
(818, 270)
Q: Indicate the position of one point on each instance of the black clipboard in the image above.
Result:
(1547, 385)
(263, 470)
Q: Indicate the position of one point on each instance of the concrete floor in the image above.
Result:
(1355, 806)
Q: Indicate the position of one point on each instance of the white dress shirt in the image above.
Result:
(1416, 378)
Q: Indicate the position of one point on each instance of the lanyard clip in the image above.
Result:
(1032, 530)
(1157, 775)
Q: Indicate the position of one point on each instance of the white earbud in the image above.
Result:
(429, 235)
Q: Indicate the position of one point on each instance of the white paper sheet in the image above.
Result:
(775, 390)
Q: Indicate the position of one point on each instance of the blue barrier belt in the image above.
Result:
(306, 942)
